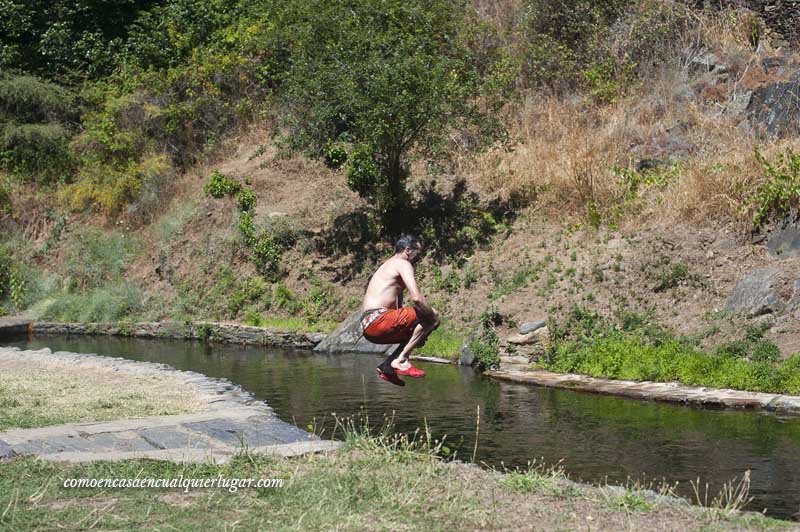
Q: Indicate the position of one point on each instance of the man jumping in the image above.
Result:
(386, 321)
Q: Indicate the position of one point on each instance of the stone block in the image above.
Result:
(529, 327)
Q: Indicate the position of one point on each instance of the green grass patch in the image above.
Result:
(638, 349)
(444, 342)
(289, 324)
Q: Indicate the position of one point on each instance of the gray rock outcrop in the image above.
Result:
(347, 338)
(775, 108)
(754, 294)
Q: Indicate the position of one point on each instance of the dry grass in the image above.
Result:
(567, 147)
(37, 391)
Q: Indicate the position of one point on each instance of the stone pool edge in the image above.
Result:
(249, 335)
(233, 420)
(671, 392)
(215, 332)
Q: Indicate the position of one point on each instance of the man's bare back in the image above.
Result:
(385, 289)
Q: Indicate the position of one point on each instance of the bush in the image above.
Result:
(37, 151)
(267, 255)
(102, 304)
(26, 99)
(246, 200)
(780, 193)
(219, 186)
(95, 258)
(285, 299)
(485, 346)
(247, 228)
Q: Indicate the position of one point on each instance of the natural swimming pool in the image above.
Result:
(596, 437)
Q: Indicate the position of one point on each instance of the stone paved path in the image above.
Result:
(234, 421)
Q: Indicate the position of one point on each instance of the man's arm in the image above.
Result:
(406, 272)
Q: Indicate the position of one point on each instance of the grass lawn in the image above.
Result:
(373, 484)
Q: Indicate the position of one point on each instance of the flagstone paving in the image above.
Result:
(233, 422)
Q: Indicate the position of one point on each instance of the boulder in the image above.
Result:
(754, 295)
(467, 357)
(347, 338)
(775, 108)
(523, 339)
(529, 327)
(785, 242)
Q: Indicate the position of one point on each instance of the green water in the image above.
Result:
(596, 438)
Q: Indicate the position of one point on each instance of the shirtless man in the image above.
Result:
(386, 321)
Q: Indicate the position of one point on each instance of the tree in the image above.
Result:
(384, 78)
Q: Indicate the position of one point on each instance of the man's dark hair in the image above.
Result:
(406, 241)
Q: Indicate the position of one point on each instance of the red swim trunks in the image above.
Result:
(389, 326)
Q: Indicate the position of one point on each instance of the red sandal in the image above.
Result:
(411, 372)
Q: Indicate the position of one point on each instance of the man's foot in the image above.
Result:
(411, 372)
(390, 377)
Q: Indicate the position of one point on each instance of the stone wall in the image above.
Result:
(209, 331)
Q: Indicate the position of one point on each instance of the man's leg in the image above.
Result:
(421, 332)
(386, 365)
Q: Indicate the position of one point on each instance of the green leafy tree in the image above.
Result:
(387, 77)
(64, 38)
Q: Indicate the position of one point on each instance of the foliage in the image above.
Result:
(95, 258)
(638, 349)
(562, 39)
(246, 200)
(6, 267)
(267, 255)
(64, 38)
(27, 99)
(114, 302)
(36, 151)
(386, 76)
(780, 193)
(247, 228)
(219, 186)
(443, 342)
(485, 345)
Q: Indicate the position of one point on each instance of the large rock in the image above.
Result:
(775, 108)
(6, 451)
(754, 294)
(347, 338)
(529, 327)
(785, 242)
(467, 357)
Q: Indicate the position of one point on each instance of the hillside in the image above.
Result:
(639, 167)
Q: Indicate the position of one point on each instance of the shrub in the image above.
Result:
(285, 299)
(219, 185)
(781, 190)
(103, 304)
(37, 151)
(319, 300)
(335, 156)
(267, 255)
(95, 257)
(246, 200)
(26, 99)
(247, 228)
(485, 345)
(6, 265)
